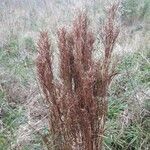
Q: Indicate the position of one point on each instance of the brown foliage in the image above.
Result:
(78, 105)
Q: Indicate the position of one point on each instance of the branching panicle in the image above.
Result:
(79, 103)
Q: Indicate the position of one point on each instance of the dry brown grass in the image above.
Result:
(78, 105)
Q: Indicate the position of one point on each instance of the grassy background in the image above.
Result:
(128, 121)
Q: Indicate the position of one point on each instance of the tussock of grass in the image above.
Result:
(127, 124)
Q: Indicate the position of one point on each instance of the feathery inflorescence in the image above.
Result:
(78, 105)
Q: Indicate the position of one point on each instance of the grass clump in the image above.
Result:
(78, 102)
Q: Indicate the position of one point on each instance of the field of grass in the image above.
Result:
(23, 113)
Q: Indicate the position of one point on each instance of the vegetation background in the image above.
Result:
(23, 118)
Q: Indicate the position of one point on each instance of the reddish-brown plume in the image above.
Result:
(78, 105)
